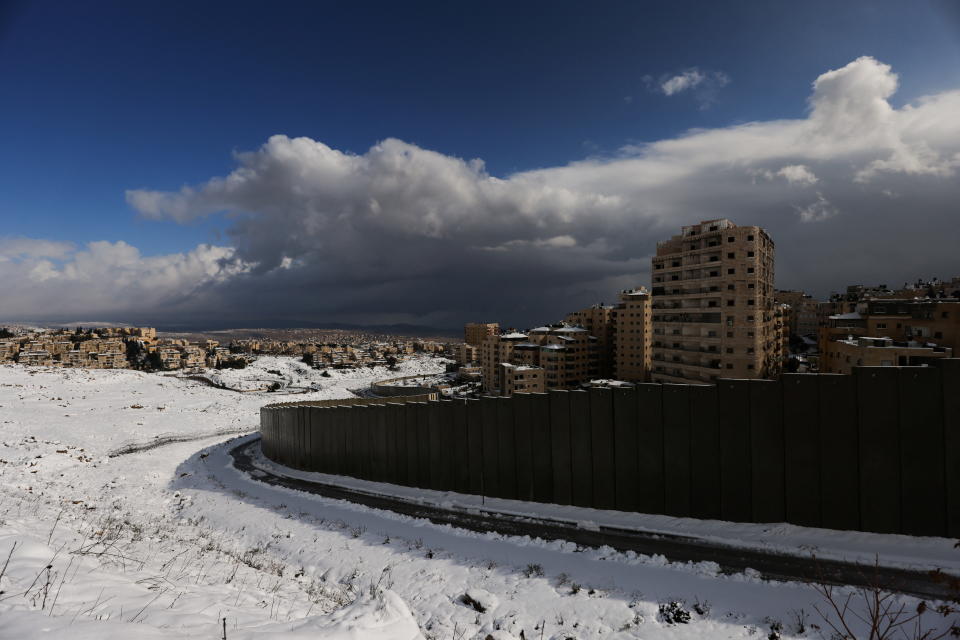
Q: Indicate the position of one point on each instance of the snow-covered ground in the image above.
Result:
(292, 374)
(168, 541)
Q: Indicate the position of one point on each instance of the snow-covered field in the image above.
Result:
(168, 541)
(295, 375)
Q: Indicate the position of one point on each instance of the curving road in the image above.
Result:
(731, 560)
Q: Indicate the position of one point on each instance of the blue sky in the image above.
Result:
(101, 98)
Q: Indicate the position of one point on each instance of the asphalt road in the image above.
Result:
(731, 560)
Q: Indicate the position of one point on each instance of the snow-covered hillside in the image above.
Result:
(169, 540)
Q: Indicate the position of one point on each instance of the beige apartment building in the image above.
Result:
(464, 354)
(633, 336)
(843, 355)
(518, 378)
(803, 317)
(9, 350)
(600, 321)
(930, 321)
(713, 305)
(476, 332)
(494, 350)
(567, 356)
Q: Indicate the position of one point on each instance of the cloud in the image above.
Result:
(108, 279)
(703, 84)
(817, 211)
(400, 233)
(796, 174)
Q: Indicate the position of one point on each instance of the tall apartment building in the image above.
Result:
(476, 332)
(600, 321)
(713, 305)
(633, 332)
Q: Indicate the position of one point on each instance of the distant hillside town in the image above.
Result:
(713, 312)
(141, 348)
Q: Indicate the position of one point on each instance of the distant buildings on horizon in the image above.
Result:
(713, 312)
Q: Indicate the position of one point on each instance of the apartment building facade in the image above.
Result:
(633, 333)
(844, 354)
(475, 333)
(803, 316)
(713, 305)
(928, 321)
(600, 321)
(518, 378)
(566, 356)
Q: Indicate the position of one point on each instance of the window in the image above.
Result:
(945, 314)
(731, 287)
(729, 334)
(729, 349)
(749, 334)
(938, 334)
(730, 238)
(731, 255)
(730, 303)
(881, 325)
(749, 254)
(751, 286)
(659, 265)
(750, 238)
(729, 366)
(750, 301)
(749, 269)
(731, 271)
(714, 274)
(674, 277)
(749, 349)
(750, 366)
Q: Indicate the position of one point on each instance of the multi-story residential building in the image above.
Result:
(633, 335)
(476, 332)
(519, 378)
(494, 350)
(930, 321)
(567, 356)
(192, 356)
(842, 355)
(169, 358)
(109, 360)
(36, 359)
(599, 321)
(713, 313)
(803, 317)
(8, 350)
(464, 353)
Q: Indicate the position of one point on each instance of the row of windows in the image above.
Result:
(712, 274)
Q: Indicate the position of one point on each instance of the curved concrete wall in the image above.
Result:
(874, 451)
